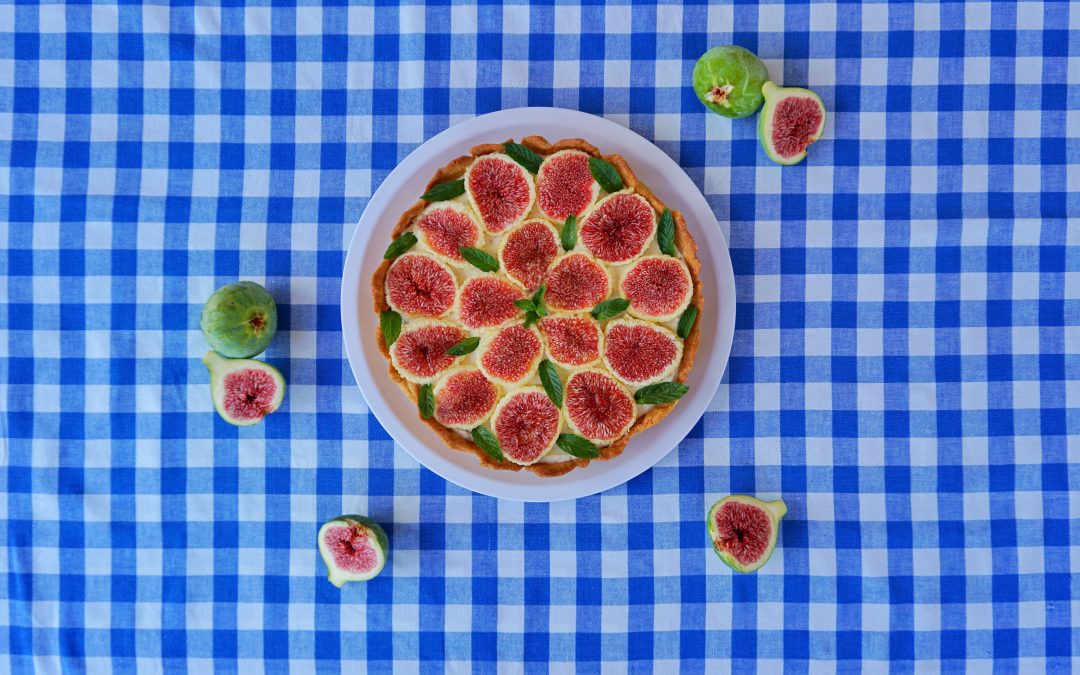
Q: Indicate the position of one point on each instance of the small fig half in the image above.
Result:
(743, 530)
(353, 547)
(244, 391)
(791, 120)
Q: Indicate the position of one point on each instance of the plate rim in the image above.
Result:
(597, 476)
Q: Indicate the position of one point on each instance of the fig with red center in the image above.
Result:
(353, 547)
(565, 186)
(658, 288)
(244, 391)
(445, 227)
(464, 398)
(576, 283)
(500, 190)
(743, 530)
(619, 228)
(419, 285)
(791, 120)
(419, 353)
(640, 353)
(488, 301)
(510, 354)
(527, 251)
(526, 424)
(597, 407)
(571, 341)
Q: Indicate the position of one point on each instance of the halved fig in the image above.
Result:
(577, 282)
(597, 407)
(419, 285)
(790, 121)
(640, 353)
(464, 398)
(619, 228)
(419, 353)
(353, 547)
(445, 227)
(527, 251)
(565, 185)
(658, 288)
(743, 530)
(572, 341)
(526, 424)
(244, 391)
(500, 190)
(510, 354)
(488, 301)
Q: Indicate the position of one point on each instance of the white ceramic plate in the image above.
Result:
(401, 189)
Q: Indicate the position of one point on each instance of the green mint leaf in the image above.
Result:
(444, 191)
(426, 401)
(390, 325)
(552, 384)
(466, 346)
(686, 321)
(523, 156)
(538, 296)
(525, 305)
(479, 259)
(661, 392)
(665, 233)
(487, 442)
(577, 446)
(399, 246)
(610, 308)
(605, 174)
(568, 236)
(530, 319)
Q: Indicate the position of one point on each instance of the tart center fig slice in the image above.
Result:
(743, 530)
(500, 190)
(464, 398)
(526, 424)
(353, 547)
(488, 301)
(640, 353)
(244, 391)
(597, 407)
(419, 353)
(565, 186)
(619, 228)
(571, 340)
(510, 354)
(576, 283)
(447, 226)
(658, 288)
(419, 285)
(527, 251)
(791, 120)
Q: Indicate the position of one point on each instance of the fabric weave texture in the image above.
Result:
(904, 372)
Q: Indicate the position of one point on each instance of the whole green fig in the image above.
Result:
(239, 320)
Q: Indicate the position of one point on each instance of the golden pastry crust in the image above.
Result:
(684, 242)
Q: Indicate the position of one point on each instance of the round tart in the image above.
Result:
(540, 306)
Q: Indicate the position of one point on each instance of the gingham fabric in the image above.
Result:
(904, 372)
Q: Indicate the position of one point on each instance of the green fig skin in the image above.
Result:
(382, 543)
(728, 81)
(775, 510)
(239, 320)
(773, 95)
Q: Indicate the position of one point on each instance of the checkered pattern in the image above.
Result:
(904, 374)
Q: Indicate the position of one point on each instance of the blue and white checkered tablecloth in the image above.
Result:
(905, 372)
